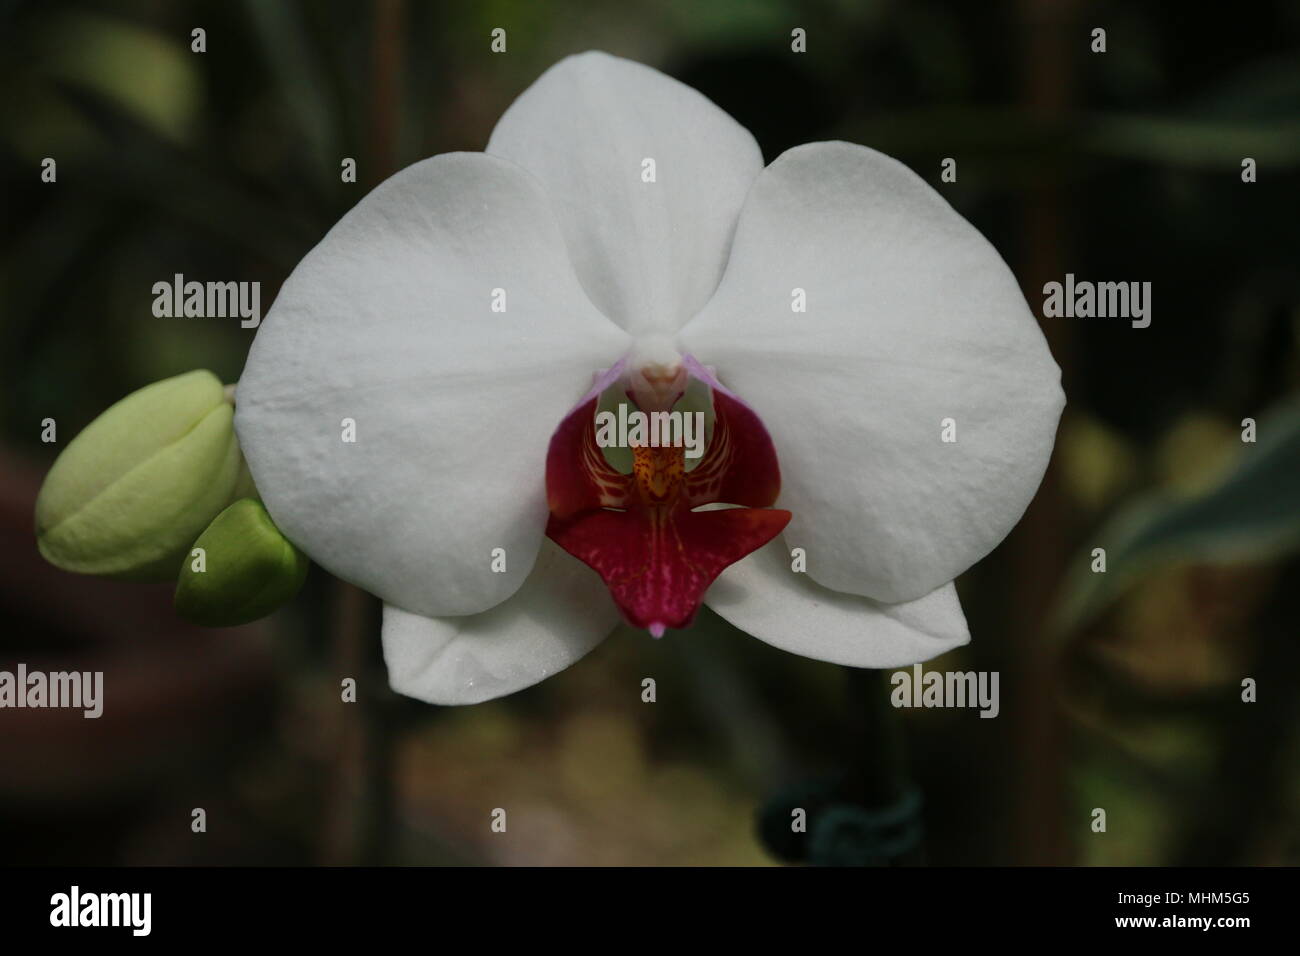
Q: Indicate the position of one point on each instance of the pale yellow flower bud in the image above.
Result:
(129, 495)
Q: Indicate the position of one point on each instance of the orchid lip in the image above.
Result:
(641, 531)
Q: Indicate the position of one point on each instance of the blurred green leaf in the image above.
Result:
(1267, 89)
(294, 62)
(189, 187)
(1194, 142)
(148, 74)
(1253, 515)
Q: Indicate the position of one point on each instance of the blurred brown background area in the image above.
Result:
(1122, 166)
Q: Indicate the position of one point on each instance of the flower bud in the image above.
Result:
(129, 494)
(241, 568)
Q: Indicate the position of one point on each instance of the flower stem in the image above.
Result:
(879, 773)
(878, 777)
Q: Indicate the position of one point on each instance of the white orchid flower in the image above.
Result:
(465, 417)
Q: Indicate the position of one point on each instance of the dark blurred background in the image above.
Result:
(1117, 166)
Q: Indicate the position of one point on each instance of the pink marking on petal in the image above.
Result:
(739, 467)
(578, 477)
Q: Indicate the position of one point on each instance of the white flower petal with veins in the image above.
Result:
(763, 597)
(912, 318)
(388, 322)
(648, 254)
(561, 613)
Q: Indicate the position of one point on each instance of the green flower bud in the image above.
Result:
(129, 494)
(241, 568)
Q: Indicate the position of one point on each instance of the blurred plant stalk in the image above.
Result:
(359, 809)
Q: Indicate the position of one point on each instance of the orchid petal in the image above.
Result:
(388, 324)
(762, 596)
(561, 612)
(911, 318)
(649, 254)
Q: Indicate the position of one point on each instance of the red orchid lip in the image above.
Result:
(640, 532)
